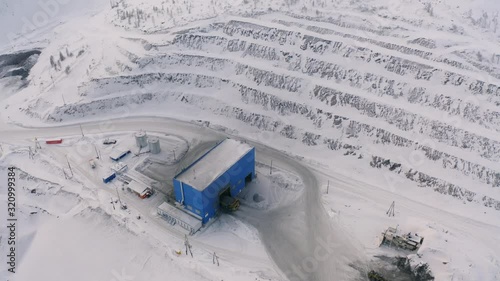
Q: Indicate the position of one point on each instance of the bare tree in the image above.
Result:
(479, 56)
(52, 62)
(429, 9)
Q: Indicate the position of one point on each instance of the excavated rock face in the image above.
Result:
(377, 91)
(352, 93)
(18, 64)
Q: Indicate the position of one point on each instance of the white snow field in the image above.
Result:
(357, 103)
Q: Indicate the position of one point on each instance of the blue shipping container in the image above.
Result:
(109, 178)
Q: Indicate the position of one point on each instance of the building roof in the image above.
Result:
(137, 187)
(118, 152)
(213, 164)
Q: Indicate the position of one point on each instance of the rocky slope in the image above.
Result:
(411, 95)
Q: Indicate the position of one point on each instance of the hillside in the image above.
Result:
(403, 94)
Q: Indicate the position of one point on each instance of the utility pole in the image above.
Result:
(271, 168)
(31, 154)
(215, 258)
(69, 165)
(81, 129)
(390, 212)
(123, 206)
(62, 95)
(188, 246)
(97, 152)
(118, 195)
(174, 155)
(37, 144)
(113, 203)
(327, 186)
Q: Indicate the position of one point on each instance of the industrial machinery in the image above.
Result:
(374, 276)
(406, 241)
(229, 203)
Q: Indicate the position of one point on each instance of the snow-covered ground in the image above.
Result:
(113, 243)
(380, 100)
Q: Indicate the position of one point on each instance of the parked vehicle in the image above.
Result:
(58, 141)
(229, 203)
(109, 141)
(147, 194)
(407, 241)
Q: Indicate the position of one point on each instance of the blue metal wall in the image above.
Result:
(193, 201)
(206, 203)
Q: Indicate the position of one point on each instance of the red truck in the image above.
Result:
(58, 141)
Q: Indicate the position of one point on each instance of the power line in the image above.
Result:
(81, 129)
(97, 152)
(215, 259)
(390, 212)
(31, 154)
(37, 144)
(123, 206)
(69, 165)
(188, 245)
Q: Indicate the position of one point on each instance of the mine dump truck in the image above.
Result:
(229, 203)
(407, 241)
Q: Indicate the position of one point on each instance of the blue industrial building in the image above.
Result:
(223, 171)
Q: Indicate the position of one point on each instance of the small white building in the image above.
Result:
(175, 216)
(118, 154)
(140, 189)
(119, 167)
